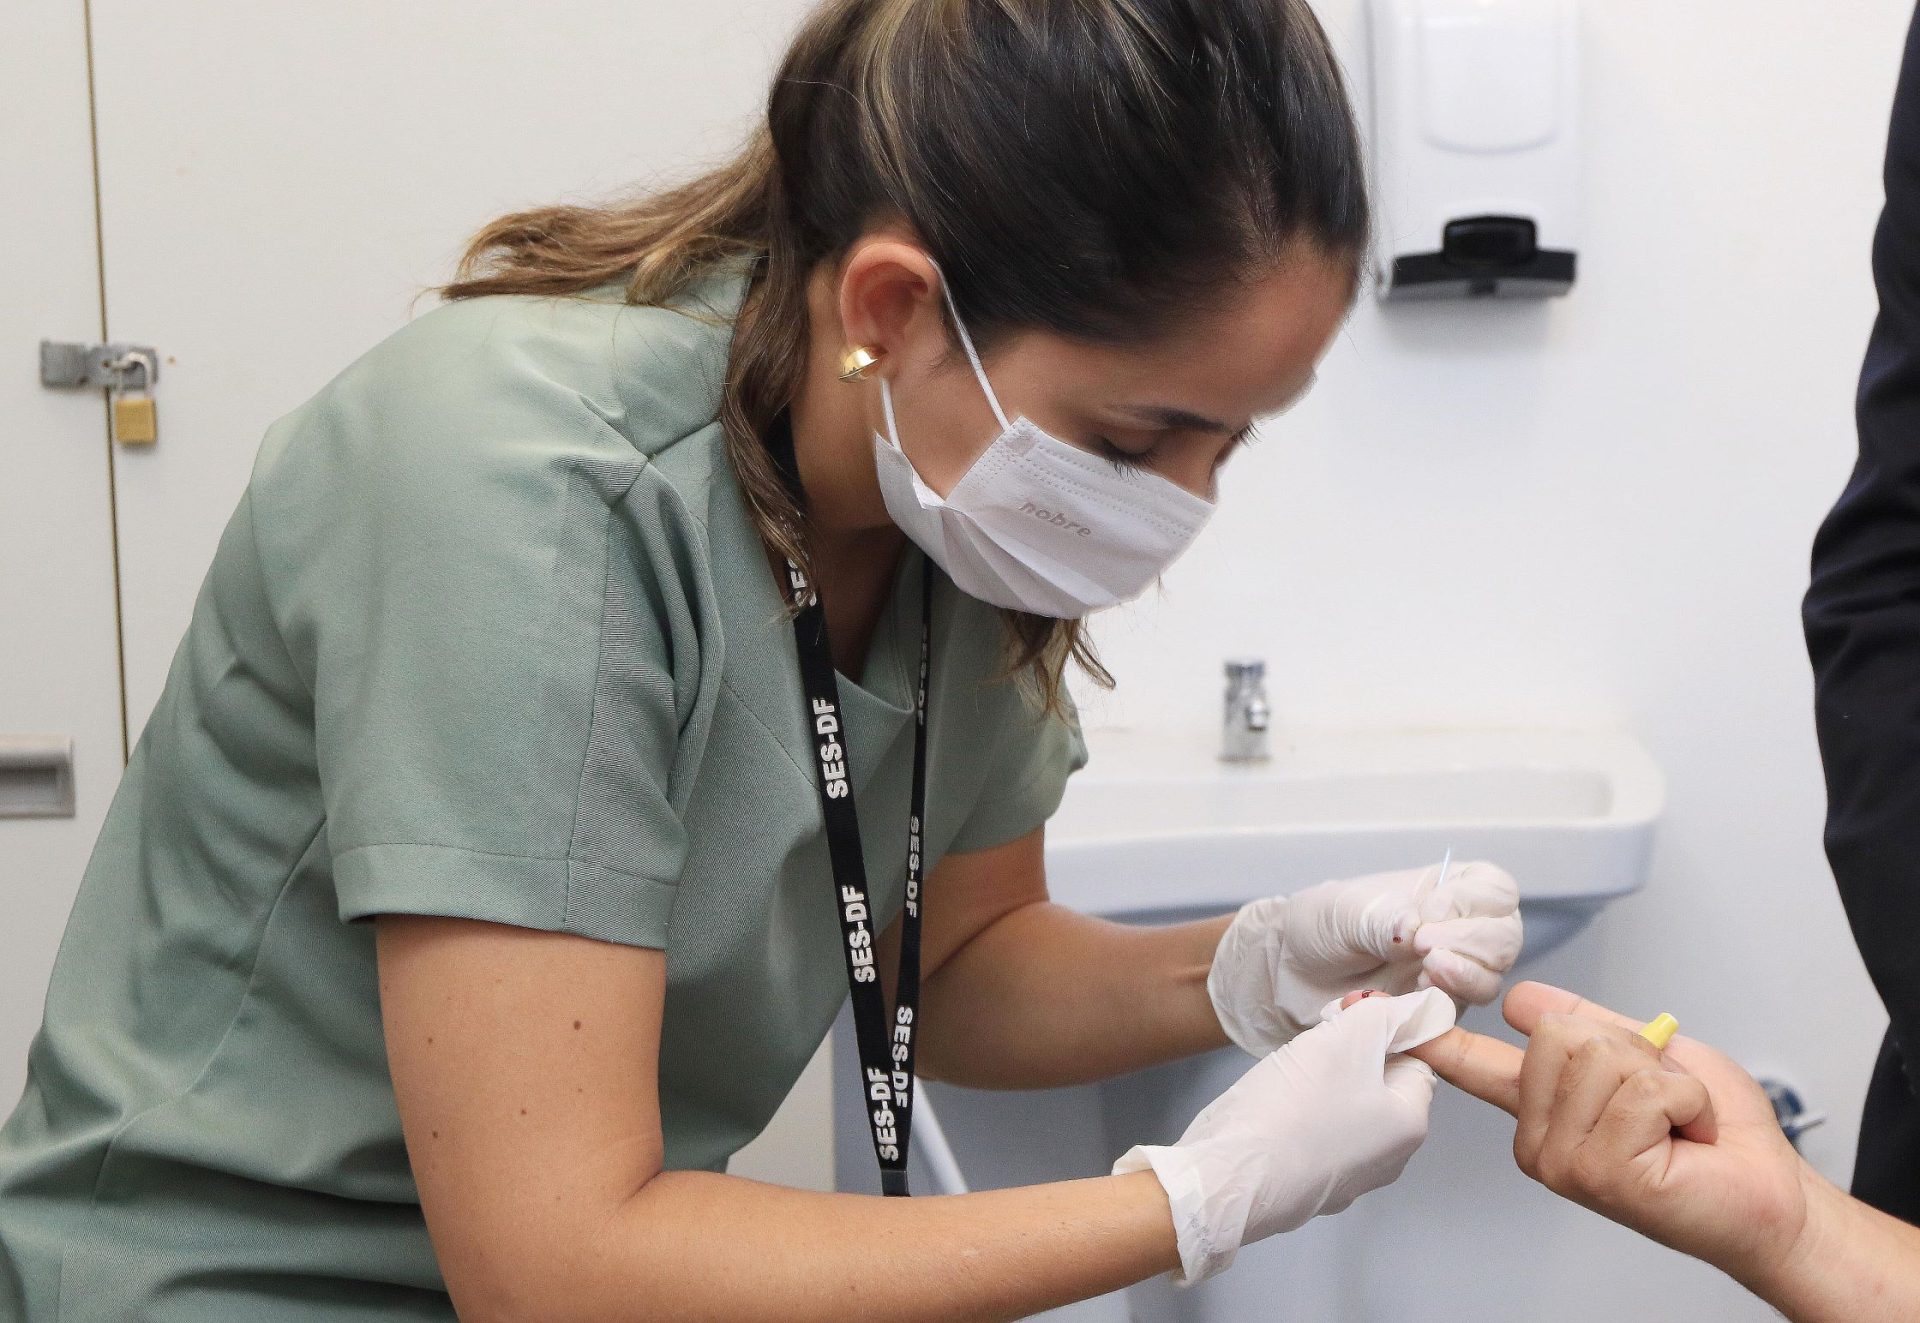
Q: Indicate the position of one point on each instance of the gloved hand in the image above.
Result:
(1284, 957)
(1307, 1131)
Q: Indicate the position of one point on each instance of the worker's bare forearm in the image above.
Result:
(696, 1245)
(1046, 996)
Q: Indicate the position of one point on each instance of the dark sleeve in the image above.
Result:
(1862, 611)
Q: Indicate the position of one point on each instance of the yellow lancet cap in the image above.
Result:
(1660, 1030)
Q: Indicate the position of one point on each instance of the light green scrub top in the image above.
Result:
(490, 634)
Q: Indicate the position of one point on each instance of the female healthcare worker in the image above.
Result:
(497, 651)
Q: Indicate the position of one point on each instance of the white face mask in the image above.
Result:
(1036, 524)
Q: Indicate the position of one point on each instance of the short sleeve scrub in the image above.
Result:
(490, 634)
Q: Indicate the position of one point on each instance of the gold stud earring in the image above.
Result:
(855, 362)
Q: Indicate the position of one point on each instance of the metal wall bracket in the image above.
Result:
(69, 365)
(36, 776)
(1793, 1115)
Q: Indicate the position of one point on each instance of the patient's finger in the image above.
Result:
(1484, 1067)
(1587, 1086)
(1649, 1106)
(1527, 1002)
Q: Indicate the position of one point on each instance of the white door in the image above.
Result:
(280, 182)
(59, 657)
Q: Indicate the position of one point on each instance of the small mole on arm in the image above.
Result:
(436, 1134)
(576, 1024)
(523, 1111)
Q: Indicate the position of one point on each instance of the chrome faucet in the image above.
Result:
(1244, 736)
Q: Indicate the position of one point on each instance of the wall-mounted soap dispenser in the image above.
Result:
(1475, 146)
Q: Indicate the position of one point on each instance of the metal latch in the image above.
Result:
(126, 372)
(36, 776)
(66, 365)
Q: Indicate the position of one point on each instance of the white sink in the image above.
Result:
(1156, 826)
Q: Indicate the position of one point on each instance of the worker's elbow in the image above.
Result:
(508, 1286)
(525, 1281)
(565, 1276)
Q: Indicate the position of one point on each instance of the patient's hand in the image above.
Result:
(1686, 1151)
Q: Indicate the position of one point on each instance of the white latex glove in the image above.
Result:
(1307, 1131)
(1284, 957)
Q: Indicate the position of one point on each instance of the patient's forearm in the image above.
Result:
(1852, 1264)
(1046, 996)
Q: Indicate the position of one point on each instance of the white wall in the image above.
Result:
(1600, 509)
(59, 654)
(1596, 510)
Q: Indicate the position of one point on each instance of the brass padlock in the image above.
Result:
(135, 421)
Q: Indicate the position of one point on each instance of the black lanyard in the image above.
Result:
(886, 1053)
